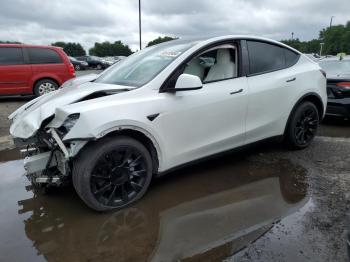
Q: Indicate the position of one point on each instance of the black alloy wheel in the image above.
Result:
(112, 173)
(302, 125)
(118, 176)
(306, 126)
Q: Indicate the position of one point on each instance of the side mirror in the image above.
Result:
(188, 82)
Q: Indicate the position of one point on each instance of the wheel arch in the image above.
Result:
(143, 137)
(311, 97)
(43, 78)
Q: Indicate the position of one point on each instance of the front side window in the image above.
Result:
(264, 57)
(144, 65)
(43, 56)
(11, 56)
(215, 64)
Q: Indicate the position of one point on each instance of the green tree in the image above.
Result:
(110, 49)
(295, 43)
(10, 42)
(160, 40)
(71, 49)
(336, 40)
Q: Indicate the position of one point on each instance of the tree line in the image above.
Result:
(106, 48)
(100, 49)
(334, 40)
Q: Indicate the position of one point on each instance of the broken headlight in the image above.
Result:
(68, 123)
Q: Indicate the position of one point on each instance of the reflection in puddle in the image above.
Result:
(207, 212)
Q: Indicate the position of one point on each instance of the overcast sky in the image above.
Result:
(90, 21)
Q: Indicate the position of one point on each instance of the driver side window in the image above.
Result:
(215, 64)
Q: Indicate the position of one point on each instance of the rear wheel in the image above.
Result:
(77, 67)
(112, 173)
(99, 67)
(302, 126)
(45, 86)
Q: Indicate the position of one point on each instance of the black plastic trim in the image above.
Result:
(152, 117)
(173, 90)
(245, 58)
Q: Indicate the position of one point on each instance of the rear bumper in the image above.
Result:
(338, 107)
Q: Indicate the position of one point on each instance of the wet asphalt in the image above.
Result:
(264, 203)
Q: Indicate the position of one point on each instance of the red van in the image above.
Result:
(29, 69)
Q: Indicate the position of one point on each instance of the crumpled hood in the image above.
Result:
(28, 118)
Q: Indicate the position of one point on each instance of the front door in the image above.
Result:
(203, 122)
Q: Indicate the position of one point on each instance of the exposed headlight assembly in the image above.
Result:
(69, 123)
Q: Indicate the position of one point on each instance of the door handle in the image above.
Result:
(236, 92)
(291, 80)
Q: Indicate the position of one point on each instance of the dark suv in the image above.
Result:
(29, 69)
(338, 86)
(94, 62)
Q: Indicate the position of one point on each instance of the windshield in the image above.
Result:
(336, 67)
(144, 65)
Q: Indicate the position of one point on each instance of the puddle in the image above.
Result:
(206, 212)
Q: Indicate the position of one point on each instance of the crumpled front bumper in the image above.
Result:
(39, 165)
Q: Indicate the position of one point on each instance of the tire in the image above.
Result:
(45, 86)
(112, 173)
(77, 67)
(99, 67)
(302, 126)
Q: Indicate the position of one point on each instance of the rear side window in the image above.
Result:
(291, 57)
(43, 56)
(11, 56)
(264, 57)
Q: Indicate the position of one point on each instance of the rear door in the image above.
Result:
(47, 62)
(15, 75)
(271, 82)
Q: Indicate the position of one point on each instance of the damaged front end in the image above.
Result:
(43, 128)
(47, 159)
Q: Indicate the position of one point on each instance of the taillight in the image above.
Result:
(71, 70)
(323, 73)
(344, 85)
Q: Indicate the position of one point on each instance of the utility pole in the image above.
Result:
(140, 22)
(292, 35)
(321, 48)
(330, 23)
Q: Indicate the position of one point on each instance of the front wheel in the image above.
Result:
(99, 67)
(302, 126)
(112, 173)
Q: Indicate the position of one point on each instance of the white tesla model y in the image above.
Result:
(166, 106)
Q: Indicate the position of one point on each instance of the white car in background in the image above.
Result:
(166, 106)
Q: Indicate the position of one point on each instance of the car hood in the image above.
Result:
(28, 118)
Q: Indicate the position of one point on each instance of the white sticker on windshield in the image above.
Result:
(170, 53)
